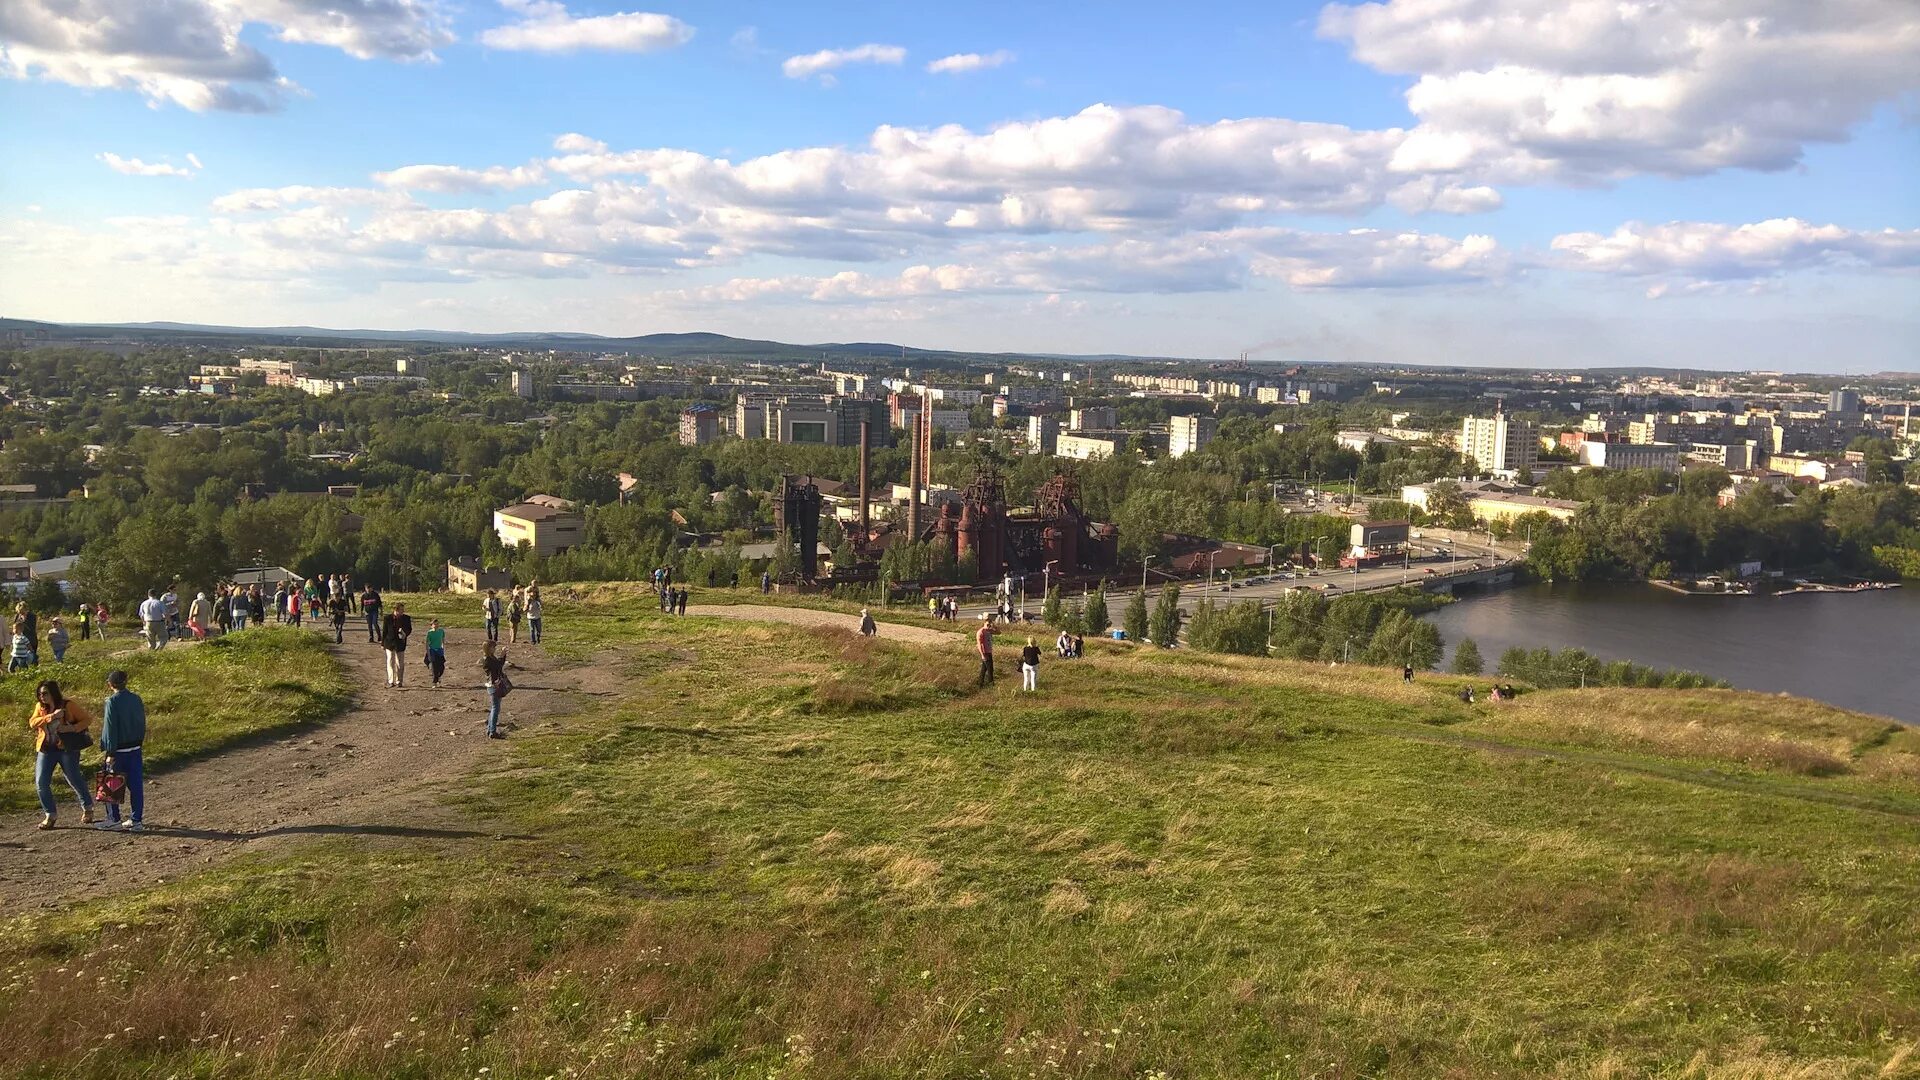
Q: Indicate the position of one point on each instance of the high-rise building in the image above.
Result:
(523, 383)
(1500, 444)
(817, 419)
(1845, 402)
(1092, 418)
(1043, 432)
(699, 425)
(1187, 434)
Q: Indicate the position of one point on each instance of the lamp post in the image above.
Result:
(1208, 591)
(1144, 563)
(1046, 577)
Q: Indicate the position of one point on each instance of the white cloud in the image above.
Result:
(545, 26)
(1588, 90)
(454, 178)
(137, 167)
(826, 60)
(960, 63)
(1705, 252)
(194, 161)
(189, 52)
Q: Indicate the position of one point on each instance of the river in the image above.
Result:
(1856, 650)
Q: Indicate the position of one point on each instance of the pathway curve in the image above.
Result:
(377, 770)
(888, 631)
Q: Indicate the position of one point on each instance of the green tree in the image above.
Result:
(1053, 613)
(1095, 613)
(45, 595)
(1164, 629)
(1466, 658)
(1135, 620)
(149, 551)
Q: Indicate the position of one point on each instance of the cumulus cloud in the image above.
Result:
(455, 178)
(1696, 253)
(1601, 89)
(546, 26)
(189, 52)
(961, 63)
(822, 63)
(137, 167)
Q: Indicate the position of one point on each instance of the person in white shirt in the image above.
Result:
(170, 611)
(153, 616)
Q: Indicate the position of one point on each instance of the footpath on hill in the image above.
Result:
(375, 771)
(888, 631)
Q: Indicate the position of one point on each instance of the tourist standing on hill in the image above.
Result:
(983, 641)
(100, 618)
(85, 614)
(395, 629)
(59, 734)
(494, 663)
(535, 609)
(370, 605)
(766, 583)
(280, 602)
(170, 600)
(123, 727)
(1030, 666)
(436, 651)
(516, 610)
(153, 617)
(20, 650)
(868, 627)
(200, 615)
(31, 620)
(256, 605)
(294, 604)
(57, 639)
(1406, 674)
(490, 611)
(337, 611)
(683, 600)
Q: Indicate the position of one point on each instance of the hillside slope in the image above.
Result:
(793, 850)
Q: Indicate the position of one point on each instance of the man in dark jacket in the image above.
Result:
(370, 607)
(123, 727)
(395, 629)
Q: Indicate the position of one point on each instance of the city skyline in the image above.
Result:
(1422, 181)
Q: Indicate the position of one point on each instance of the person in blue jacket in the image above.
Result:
(123, 727)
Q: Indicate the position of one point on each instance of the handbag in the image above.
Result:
(75, 741)
(502, 686)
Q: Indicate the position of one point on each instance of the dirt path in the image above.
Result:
(375, 771)
(912, 635)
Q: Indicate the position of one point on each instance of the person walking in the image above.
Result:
(436, 651)
(337, 611)
(256, 605)
(494, 663)
(223, 609)
(170, 603)
(1030, 666)
(683, 600)
(867, 626)
(280, 602)
(86, 622)
(370, 605)
(490, 611)
(395, 629)
(57, 639)
(59, 734)
(983, 641)
(31, 621)
(295, 602)
(123, 727)
(766, 583)
(100, 617)
(516, 609)
(534, 612)
(153, 617)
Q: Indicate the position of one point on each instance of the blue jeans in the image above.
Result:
(493, 711)
(69, 764)
(239, 620)
(59, 653)
(533, 630)
(18, 663)
(493, 629)
(127, 763)
(373, 626)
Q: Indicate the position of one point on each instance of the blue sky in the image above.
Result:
(1540, 182)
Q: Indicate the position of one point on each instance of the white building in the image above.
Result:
(1089, 447)
(1093, 418)
(1500, 444)
(1617, 455)
(1188, 434)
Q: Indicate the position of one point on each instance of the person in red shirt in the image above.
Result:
(984, 640)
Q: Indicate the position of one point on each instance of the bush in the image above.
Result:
(1135, 620)
(1466, 658)
(1095, 613)
(1164, 628)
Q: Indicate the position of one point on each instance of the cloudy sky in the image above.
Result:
(1726, 183)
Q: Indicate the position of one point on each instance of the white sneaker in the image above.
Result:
(131, 825)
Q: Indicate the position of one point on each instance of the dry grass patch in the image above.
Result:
(1066, 900)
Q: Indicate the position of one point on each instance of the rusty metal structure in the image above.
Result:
(797, 514)
(1053, 532)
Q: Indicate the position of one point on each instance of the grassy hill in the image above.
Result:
(780, 851)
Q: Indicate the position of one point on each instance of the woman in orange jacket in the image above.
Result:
(59, 728)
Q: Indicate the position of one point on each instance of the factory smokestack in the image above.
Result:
(866, 531)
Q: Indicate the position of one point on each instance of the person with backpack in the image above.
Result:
(59, 729)
(123, 727)
(494, 663)
(1030, 666)
(436, 651)
(395, 629)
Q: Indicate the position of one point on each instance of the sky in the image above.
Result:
(1536, 183)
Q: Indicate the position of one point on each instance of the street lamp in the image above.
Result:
(1046, 577)
(1211, 555)
(1144, 563)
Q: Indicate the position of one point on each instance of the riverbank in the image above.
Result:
(1743, 588)
(1850, 650)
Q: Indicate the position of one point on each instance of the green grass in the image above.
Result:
(789, 852)
(199, 698)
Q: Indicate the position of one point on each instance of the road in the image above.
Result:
(1425, 554)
